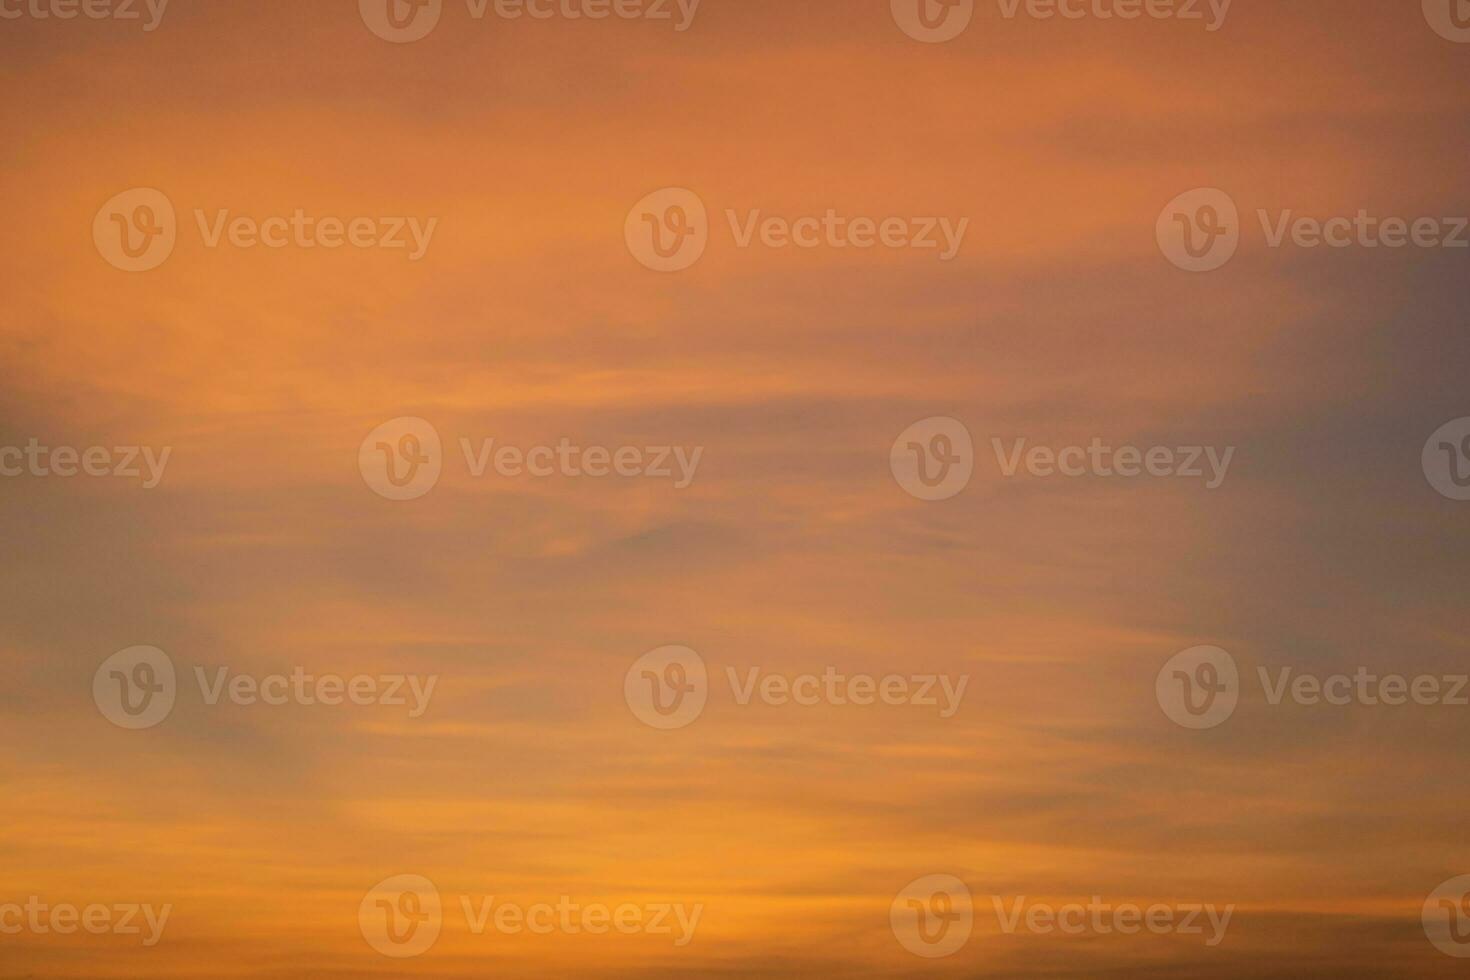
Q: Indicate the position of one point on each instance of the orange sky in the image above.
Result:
(527, 320)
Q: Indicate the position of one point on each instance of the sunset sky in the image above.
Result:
(530, 320)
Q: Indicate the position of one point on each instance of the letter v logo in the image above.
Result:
(401, 21)
(933, 21)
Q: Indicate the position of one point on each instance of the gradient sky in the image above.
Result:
(528, 321)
